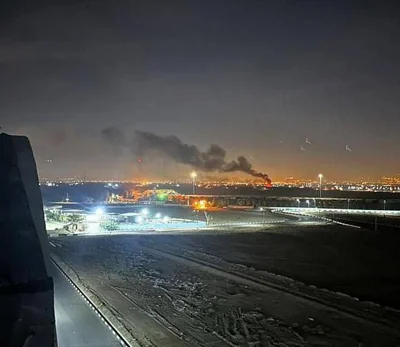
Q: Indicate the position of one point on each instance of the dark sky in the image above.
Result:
(256, 77)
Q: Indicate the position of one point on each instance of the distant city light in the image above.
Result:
(165, 219)
(139, 219)
(158, 215)
(145, 212)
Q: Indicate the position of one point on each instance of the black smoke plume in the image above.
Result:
(114, 136)
(212, 160)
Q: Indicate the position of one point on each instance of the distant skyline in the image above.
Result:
(202, 178)
(257, 78)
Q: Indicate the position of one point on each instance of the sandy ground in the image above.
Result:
(220, 288)
(361, 263)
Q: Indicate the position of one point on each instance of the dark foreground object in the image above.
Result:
(26, 290)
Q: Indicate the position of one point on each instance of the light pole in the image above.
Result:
(384, 204)
(298, 203)
(320, 185)
(193, 175)
(308, 203)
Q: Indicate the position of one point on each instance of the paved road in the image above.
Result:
(337, 210)
(77, 324)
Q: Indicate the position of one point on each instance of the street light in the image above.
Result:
(98, 214)
(320, 185)
(193, 175)
(99, 211)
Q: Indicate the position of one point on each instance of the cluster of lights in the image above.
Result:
(99, 213)
(110, 185)
(145, 212)
(201, 205)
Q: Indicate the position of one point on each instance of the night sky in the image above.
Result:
(255, 77)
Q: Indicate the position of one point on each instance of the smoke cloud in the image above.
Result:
(114, 136)
(212, 160)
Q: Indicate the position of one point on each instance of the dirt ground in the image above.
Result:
(361, 263)
(167, 300)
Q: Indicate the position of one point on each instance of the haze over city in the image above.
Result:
(256, 78)
(195, 173)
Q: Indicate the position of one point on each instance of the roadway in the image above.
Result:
(76, 323)
(302, 210)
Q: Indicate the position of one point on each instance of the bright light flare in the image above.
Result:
(139, 219)
(145, 212)
(201, 205)
(92, 218)
(158, 215)
(99, 211)
(166, 219)
(193, 175)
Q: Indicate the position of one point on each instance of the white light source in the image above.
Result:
(165, 219)
(145, 212)
(139, 219)
(320, 185)
(158, 215)
(193, 175)
(92, 218)
(99, 211)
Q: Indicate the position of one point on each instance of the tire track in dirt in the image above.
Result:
(375, 323)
